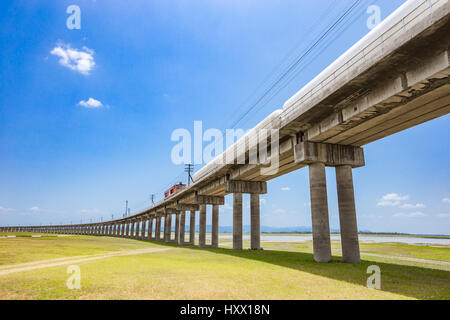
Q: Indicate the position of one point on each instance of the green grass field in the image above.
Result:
(36, 268)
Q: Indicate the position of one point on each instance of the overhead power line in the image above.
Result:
(297, 61)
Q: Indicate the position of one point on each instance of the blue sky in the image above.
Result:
(151, 67)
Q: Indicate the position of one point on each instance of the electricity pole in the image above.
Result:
(152, 197)
(126, 207)
(189, 168)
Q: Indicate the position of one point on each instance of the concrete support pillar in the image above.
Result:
(168, 227)
(138, 229)
(202, 227)
(177, 228)
(255, 229)
(150, 228)
(143, 226)
(192, 228)
(319, 212)
(132, 230)
(347, 215)
(237, 221)
(164, 234)
(215, 226)
(127, 226)
(153, 223)
(182, 227)
(158, 228)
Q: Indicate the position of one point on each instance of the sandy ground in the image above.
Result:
(71, 260)
(437, 262)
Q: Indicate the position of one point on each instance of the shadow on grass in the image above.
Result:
(410, 281)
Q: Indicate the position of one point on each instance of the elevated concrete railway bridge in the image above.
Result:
(396, 77)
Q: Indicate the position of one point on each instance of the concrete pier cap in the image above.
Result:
(331, 155)
(344, 158)
(255, 189)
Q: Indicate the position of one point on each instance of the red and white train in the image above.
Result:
(176, 188)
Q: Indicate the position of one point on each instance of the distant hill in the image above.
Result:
(264, 229)
(303, 229)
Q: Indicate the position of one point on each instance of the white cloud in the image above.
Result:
(307, 204)
(446, 200)
(35, 208)
(3, 209)
(285, 189)
(279, 211)
(391, 200)
(409, 215)
(90, 103)
(412, 206)
(444, 215)
(263, 201)
(81, 61)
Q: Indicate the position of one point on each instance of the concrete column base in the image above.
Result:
(182, 228)
(237, 221)
(202, 227)
(319, 212)
(347, 215)
(255, 229)
(177, 229)
(215, 227)
(192, 228)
